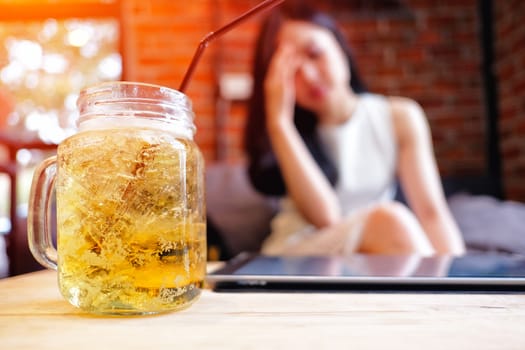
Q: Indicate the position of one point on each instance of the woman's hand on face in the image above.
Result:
(279, 85)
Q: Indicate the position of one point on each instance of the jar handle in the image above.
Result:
(39, 217)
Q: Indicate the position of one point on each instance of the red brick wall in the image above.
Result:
(426, 50)
(510, 60)
(429, 51)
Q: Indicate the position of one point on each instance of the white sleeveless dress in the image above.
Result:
(364, 151)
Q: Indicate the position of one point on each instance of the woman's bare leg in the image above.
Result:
(391, 228)
(385, 229)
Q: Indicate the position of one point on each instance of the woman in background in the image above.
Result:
(334, 151)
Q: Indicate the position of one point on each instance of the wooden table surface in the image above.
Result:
(33, 315)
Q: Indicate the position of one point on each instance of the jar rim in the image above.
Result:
(104, 86)
(136, 99)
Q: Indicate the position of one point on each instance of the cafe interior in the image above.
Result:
(460, 60)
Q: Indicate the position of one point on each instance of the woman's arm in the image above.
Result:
(420, 178)
(305, 182)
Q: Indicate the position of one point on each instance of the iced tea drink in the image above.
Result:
(130, 212)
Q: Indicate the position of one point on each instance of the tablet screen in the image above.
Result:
(360, 269)
(386, 266)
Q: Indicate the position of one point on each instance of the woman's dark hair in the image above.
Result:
(263, 169)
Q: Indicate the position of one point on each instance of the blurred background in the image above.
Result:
(460, 59)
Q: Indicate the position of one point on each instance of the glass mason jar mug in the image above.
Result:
(131, 227)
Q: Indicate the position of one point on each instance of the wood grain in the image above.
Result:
(33, 315)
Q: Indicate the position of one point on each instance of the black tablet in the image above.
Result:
(371, 272)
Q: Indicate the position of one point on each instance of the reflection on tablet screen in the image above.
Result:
(482, 265)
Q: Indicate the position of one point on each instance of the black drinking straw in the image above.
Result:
(263, 6)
